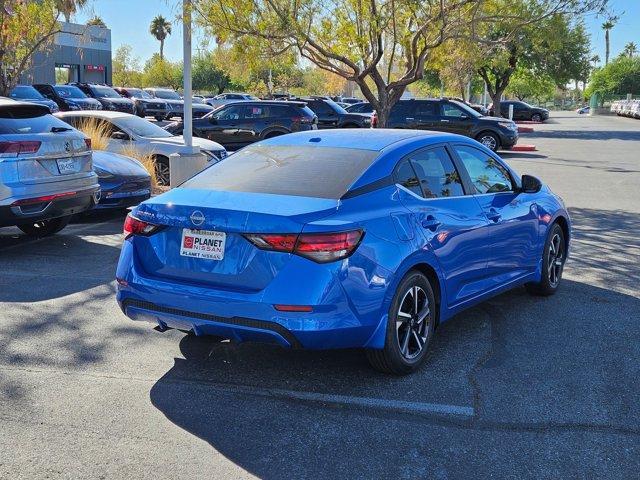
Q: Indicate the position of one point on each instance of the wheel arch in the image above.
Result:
(424, 265)
(488, 130)
(269, 132)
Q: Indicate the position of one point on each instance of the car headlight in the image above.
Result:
(509, 125)
(73, 106)
(102, 173)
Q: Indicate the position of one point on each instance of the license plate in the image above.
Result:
(203, 244)
(66, 166)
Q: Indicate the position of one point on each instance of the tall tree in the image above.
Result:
(381, 45)
(25, 27)
(607, 26)
(69, 7)
(630, 49)
(160, 28)
(549, 45)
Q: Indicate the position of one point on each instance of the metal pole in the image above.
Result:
(188, 93)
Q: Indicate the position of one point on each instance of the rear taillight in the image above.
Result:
(43, 199)
(19, 147)
(135, 226)
(87, 142)
(374, 119)
(319, 247)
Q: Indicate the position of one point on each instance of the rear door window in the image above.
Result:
(437, 174)
(406, 176)
(305, 171)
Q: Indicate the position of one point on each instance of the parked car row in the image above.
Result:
(160, 103)
(626, 108)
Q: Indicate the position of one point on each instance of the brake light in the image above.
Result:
(87, 142)
(20, 147)
(319, 247)
(293, 308)
(135, 226)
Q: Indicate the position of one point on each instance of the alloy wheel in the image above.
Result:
(412, 322)
(555, 260)
(488, 141)
(536, 118)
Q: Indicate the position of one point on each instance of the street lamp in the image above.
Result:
(188, 88)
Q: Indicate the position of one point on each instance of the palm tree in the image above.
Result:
(595, 60)
(630, 49)
(69, 7)
(607, 26)
(97, 21)
(160, 28)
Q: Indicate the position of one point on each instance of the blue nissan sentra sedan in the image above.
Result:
(345, 238)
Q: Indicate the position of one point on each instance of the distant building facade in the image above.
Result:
(79, 53)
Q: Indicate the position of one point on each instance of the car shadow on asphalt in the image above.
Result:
(522, 362)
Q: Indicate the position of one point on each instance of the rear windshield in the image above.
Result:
(26, 93)
(304, 171)
(26, 120)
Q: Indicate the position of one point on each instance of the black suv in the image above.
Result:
(332, 115)
(522, 111)
(444, 115)
(235, 125)
(145, 104)
(107, 96)
(68, 97)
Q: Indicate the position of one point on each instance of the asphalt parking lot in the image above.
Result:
(518, 387)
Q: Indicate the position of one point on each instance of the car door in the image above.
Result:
(327, 116)
(512, 215)
(451, 222)
(454, 119)
(425, 115)
(224, 125)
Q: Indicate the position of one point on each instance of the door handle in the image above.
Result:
(444, 121)
(430, 223)
(494, 216)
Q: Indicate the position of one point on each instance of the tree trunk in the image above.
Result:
(161, 49)
(495, 99)
(606, 42)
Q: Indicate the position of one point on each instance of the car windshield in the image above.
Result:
(335, 106)
(67, 91)
(467, 109)
(167, 95)
(287, 170)
(25, 92)
(105, 92)
(138, 93)
(141, 127)
(24, 120)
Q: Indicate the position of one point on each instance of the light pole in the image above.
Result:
(188, 90)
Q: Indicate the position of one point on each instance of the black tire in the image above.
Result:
(536, 117)
(45, 227)
(162, 171)
(554, 256)
(395, 358)
(489, 140)
(159, 118)
(273, 134)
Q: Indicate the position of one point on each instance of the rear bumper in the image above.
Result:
(83, 200)
(347, 310)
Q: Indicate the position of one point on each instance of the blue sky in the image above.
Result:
(129, 22)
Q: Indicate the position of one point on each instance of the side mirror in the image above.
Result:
(530, 184)
(213, 120)
(120, 136)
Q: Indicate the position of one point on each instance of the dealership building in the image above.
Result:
(80, 53)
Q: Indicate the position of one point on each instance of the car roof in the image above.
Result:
(358, 138)
(106, 114)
